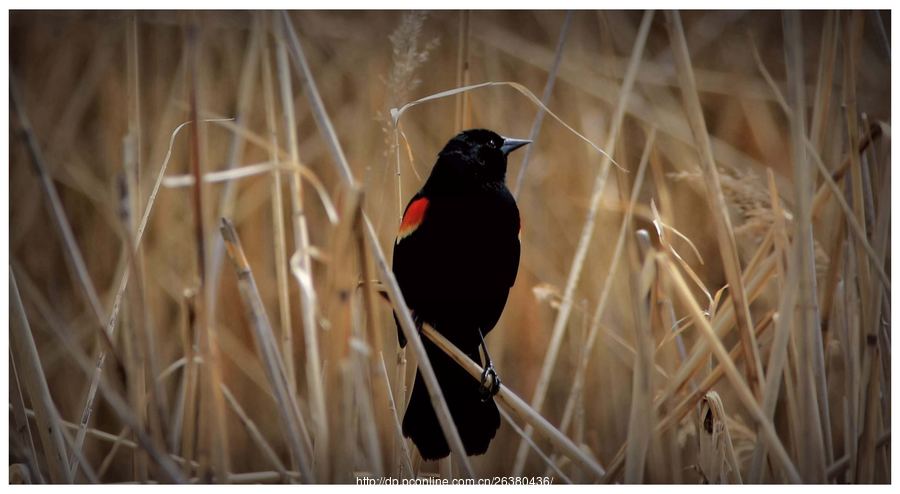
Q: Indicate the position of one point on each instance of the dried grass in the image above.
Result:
(736, 329)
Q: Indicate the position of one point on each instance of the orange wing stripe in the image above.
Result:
(415, 213)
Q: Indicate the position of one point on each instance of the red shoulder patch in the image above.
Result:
(413, 217)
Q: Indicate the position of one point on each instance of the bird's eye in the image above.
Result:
(492, 144)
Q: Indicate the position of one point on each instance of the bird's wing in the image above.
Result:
(405, 257)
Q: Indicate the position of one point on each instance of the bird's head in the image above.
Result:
(480, 154)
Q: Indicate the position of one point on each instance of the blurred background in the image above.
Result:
(105, 92)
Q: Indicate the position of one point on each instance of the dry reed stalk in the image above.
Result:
(717, 205)
(133, 164)
(776, 369)
(28, 363)
(832, 280)
(303, 272)
(246, 89)
(251, 170)
(242, 478)
(403, 454)
(245, 361)
(665, 462)
(143, 344)
(779, 232)
(340, 316)
(855, 225)
(877, 350)
(642, 417)
(562, 317)
(32, 295)
(135, 378)
(868, 177)
(278, 228)
(852, 350)
(111, 454)
(819, 125)
(256, 477)
(545, 99)
(462, 119)
(665, 212)
(139, 340)
(843, 463)
(344, 422)
(872, 134)
(254, 433)
(381, 388)
(213, 438)
(21, 431)
(133, 81)
(864, 462)
(865, 465)
(72, 252)
(107, 437)
(312, 93)
(667, 324)
(792, 396)
(189, 398)
(396, 132)
(829, 185)
(811, 370)
(881, 239)
(767, 429)
(550, 461)
(516, 406)
(852, 36)
(267, 347)
(359, 371)
(80, 461)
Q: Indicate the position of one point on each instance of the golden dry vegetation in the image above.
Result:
(746, 212)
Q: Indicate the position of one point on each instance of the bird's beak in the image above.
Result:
(510, 144)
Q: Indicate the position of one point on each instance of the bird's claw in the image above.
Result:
(490, 383)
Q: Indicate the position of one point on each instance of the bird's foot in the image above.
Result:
(490, 383)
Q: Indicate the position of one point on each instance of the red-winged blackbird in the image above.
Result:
(455, 258)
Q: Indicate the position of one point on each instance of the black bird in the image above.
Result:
(455, 258)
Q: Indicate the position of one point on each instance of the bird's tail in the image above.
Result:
(477, 421)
